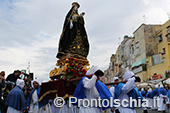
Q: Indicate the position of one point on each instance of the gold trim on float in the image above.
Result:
(46, 93)
(73, 54)
(54, 91)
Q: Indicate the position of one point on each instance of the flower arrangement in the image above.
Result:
(74, 70)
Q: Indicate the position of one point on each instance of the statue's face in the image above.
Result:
(75, 8)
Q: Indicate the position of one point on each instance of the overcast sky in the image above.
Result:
(30, 29)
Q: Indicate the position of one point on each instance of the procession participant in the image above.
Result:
(168, 97)
(154, 95)
(66, 109)
(13, 77)
(144, 96)
(143, 92)
(162, 101)
(127, 90)
(112, 90)
(54, 109)
(7, 89)
(2, 85)
(92, 89)
(16, 100)
(148, 96)
(46, 105)
(33, 100)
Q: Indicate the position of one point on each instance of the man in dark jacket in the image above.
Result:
(14, 76)
(2, 85)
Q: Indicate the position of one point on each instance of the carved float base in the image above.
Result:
(64, 62)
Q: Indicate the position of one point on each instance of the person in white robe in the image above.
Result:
(143, 92)
(112, 90)
(168, 100)
(155, 97)
(33, 101)
(149, 98)
(46, 105)
(92, 89)
(16, 99)
(67, 109)
(130, 84)
(163, 99)
(127, 90)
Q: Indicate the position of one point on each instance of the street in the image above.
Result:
(150, 111)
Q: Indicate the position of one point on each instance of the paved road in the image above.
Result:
(150, 111)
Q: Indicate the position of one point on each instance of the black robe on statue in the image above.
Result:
(73, 41)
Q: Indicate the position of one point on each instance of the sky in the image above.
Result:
(30, 29)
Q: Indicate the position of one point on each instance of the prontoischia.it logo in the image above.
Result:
(132, 103)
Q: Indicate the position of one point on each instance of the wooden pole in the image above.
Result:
(77, 79)
(114, 83)
(89, 76)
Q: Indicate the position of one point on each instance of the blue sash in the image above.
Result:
(134, 93)
(101, 88)
(38, 93)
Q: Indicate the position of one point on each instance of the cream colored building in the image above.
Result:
(144, 46)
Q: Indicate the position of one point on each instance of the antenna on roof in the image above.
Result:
(119, 41)
(168, 15)
(144, 19)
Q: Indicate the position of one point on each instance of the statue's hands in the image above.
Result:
(82, 14)
(71, 24)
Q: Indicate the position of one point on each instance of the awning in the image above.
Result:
(167, 81)
(140, 62)
(145, 85)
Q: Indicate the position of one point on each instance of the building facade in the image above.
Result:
(144, 46)
(147, 53)
(158, 65)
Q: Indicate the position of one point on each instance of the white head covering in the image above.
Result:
(128, 75)
(92, 70)
(20, 83)
(35, 80)
(156, 86)
(161, 86)
(150, 90)
(142, 89)
(115, 78)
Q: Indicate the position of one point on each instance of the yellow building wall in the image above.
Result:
(142, 75)
(159, 69)
(165, 65)
(167, 45)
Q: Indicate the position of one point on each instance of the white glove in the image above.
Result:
(71, 24)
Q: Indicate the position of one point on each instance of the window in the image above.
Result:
(147, 64)
(132, 50)
(168, 30)
(159, 38)
(137, 45)
(168, 37)
(163, 59)
(156, 59)
(163, 51)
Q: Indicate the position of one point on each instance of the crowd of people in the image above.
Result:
(160, 94)
(7, 84)
(157, 96)
(22, 95)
